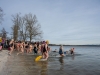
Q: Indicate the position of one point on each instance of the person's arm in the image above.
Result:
(62, 50)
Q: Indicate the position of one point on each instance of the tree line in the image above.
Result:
(24, 27)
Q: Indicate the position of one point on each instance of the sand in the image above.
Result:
(3, 58)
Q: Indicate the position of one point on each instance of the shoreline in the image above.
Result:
(3, 58)
(71, 45)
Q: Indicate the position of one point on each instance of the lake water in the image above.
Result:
(86, 61)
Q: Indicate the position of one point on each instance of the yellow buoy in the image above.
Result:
(38, 58)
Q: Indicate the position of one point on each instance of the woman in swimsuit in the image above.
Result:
(61, 51)
(26, 46)
(11, 45)
(21, 48)
(35, 48)
(39, 48)
(30, 47)
(72, 51)
(45, 54)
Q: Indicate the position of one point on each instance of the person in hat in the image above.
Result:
(45, 54)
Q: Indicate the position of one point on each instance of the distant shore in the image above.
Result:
(71, 45)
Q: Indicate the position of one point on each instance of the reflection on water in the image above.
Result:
(73, 57)
(62, 63)
(43, 66)
(61, 60)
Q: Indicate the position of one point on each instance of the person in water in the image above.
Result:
(72, 51)
(55, 50)
(35, 48)
(66, 52)
(11, 45)
(61, 51)
(45, 54)
(22, 47)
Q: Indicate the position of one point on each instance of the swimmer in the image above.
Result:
(72, 51)
(66, 52)
(55, 50)
(61, 51)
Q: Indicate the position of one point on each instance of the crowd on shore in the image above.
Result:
(28, 47)
(32, 47)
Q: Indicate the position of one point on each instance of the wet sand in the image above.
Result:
(69, 65)
(3, 59)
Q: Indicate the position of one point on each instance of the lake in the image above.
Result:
(86, 61)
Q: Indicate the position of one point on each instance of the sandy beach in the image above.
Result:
(3, 59)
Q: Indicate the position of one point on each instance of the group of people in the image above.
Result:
(29, 47)
(35, 47)
(61, 52)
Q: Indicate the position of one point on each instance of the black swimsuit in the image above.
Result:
(35, 50)
(44, 50)
(60, 51)
(26, 46)
(11, 45)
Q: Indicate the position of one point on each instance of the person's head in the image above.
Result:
(47, 42)
(12, 40)
(25, 42)
(43, 42)
(61, 46)
(35, 43)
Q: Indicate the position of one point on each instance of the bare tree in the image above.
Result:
(23, 30)
(1, 15)
(14, 32)
(32, 26)
(26, 27)
(15, 28)
(4, 33)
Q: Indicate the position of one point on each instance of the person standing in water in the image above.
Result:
(39, 48)
(22, 44)
(72, 51)
(35, 48)
(11, 45)
(61, 51)
(45, 54)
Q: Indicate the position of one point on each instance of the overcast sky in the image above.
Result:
(75, 22)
